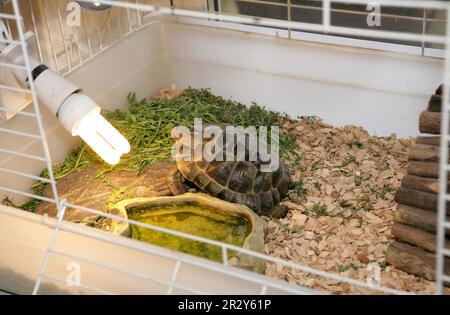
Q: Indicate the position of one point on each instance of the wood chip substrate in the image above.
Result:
(341, 208)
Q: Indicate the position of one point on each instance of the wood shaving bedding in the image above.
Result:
(341, 208)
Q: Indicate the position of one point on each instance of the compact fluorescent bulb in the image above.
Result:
(78, 113)
(81, 117)
(103, 138)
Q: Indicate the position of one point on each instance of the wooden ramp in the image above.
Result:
(414, 249)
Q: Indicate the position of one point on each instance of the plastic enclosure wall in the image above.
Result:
(383, 92)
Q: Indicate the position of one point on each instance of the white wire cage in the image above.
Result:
(67, 49)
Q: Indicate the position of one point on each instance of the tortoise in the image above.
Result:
(235, 181)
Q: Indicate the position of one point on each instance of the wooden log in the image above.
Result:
(429, 140)
(424, 169)
(430, 122)
(422, 219)
(414, 236)
(415, 198)
(425, 152)
(435, 104)
(430, 185)
(413, 260)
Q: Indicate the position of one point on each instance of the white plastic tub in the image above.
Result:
(383, 92)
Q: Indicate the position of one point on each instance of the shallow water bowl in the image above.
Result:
(197, 214)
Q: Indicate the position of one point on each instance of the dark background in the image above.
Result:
(352, 15)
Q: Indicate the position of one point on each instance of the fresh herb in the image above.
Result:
(344, 268)
(297, 191)
(320, 209)
(349, 160)
(358, 180)
(147, 125)
(386, 189)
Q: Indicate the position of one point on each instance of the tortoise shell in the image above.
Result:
(236, 181)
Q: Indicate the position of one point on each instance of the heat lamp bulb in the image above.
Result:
(102, 137)
(80, 115)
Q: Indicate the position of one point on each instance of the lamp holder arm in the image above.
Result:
(52, 89)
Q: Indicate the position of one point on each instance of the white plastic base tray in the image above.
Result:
(383, 92)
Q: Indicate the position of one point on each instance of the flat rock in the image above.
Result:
(85, 188)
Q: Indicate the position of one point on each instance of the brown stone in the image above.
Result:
(85, 188)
